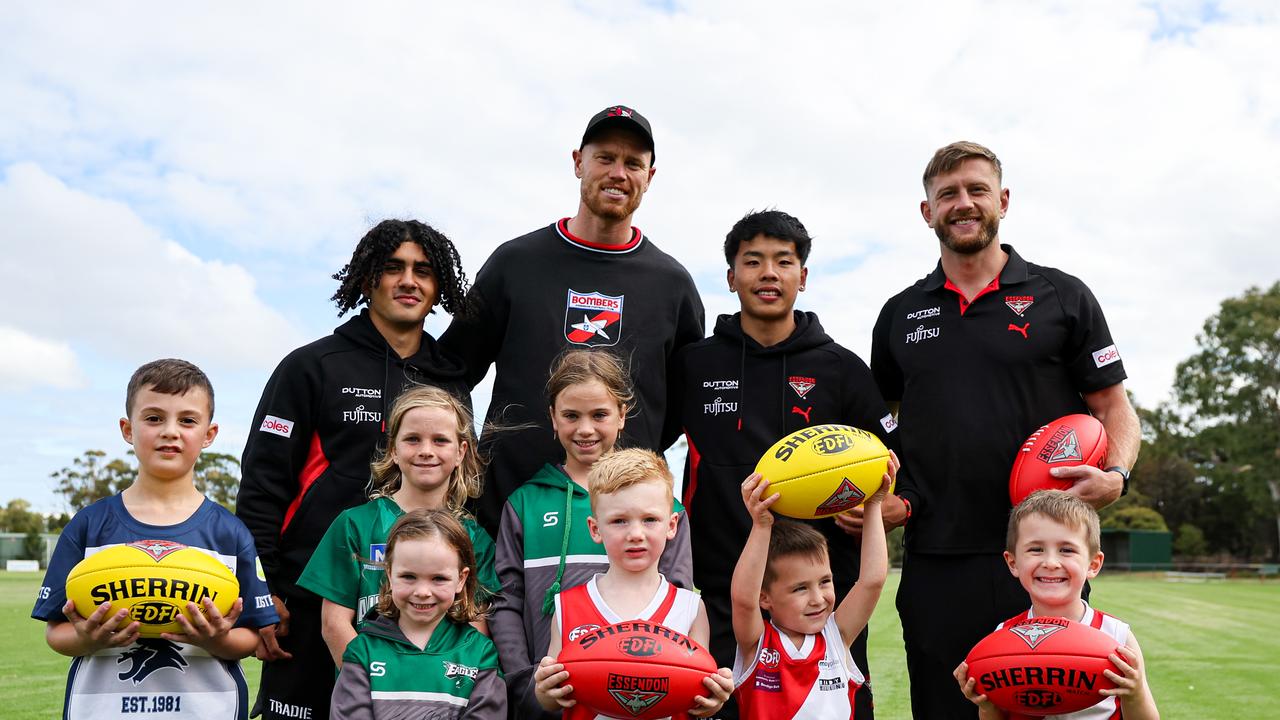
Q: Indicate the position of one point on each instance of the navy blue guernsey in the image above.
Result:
(155, 675)
(973, 380)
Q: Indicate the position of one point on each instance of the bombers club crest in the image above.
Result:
(593, 319)
(637, 694)
(1019, 303)
(1034, 633)
(157, 549)
(846, 497)
(802, 385)
(1062, 446)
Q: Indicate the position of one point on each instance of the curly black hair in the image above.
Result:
(370, 257)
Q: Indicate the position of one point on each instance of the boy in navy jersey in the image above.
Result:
(192, 674)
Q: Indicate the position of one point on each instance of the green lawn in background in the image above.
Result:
(1212, 649)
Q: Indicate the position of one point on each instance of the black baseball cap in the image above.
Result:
(618, 116)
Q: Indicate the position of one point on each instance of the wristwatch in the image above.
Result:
(1124, 473)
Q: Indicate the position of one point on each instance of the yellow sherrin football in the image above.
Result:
(823, 470)
(154, 579)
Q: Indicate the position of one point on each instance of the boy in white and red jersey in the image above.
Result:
(797, 665)
(1054, 546)
(631, 516)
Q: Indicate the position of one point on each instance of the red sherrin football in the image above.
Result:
(1042, 666)
(1069, 440)
(636, 669)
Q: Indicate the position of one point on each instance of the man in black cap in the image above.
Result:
(591, 280)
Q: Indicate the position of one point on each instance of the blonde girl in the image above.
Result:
(429, 463)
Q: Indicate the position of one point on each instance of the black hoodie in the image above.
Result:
(315, 432)
(741, 398)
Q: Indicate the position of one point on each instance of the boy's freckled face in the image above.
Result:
(1052, 561)
(802, 595)
(168, 432)
(634, 525)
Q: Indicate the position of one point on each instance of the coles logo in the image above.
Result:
(277, 426)
(1106, 356)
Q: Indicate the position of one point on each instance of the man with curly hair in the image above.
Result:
(591, 280)
(318, 425)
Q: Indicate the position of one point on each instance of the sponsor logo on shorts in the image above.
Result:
(921, 333)
(926, 313)
(802, 385)
(362, 392)
(1106, 356)
(1019, 303)
(719, 384)
(276, 426)
(593, 319)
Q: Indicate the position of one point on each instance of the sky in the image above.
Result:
(180, 179)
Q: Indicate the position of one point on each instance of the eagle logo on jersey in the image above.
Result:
(157, 549)
(593, 319)
(1019, 303)
(637, 694)
(846, 497)
(1062, 446)
(1033, 633)
(149, 655)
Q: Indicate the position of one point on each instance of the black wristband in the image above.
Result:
(1124, 473)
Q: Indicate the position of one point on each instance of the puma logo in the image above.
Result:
(1022, 330)
(805, 412)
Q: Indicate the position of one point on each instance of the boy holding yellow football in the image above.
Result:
(117, 671)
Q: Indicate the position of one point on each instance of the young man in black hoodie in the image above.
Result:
(318, 425)
(768, 370)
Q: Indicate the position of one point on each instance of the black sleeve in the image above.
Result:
(888, 378)
(476, 339)
(1091, 355)
(690, 328)
(863, 407)
(275, 453)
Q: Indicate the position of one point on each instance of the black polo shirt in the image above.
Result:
(974, 379)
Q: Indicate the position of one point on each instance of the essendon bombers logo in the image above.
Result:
(846, 497)
(802, 385)
(1019, 303)
(1033, 632)
(1063, 446)
(593, 319)
(157, 549)
(637, 694)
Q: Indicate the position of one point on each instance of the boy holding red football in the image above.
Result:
(798, 664)
(195, 673)
(1054, 546)
(631, 494)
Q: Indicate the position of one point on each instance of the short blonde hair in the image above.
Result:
(950, 157)
(1061, 507)
(621, 469)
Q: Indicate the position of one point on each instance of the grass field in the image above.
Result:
(1212, 649)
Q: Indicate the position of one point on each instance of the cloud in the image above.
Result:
(28, 362)
(83, 272)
